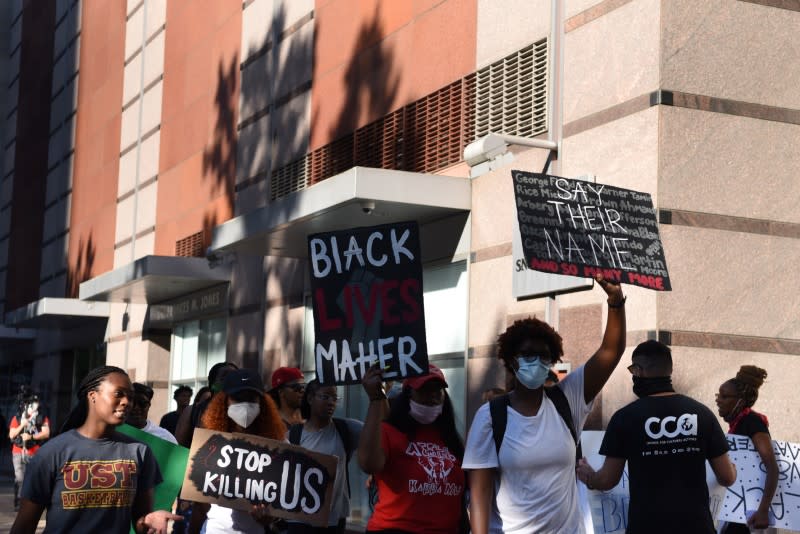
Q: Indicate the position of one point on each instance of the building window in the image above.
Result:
(196, 347)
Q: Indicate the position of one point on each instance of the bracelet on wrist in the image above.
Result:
(617, 305)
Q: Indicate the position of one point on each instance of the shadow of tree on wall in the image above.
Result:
(81, 271)
(371, 80)
(219, 159)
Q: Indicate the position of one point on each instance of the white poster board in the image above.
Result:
(743, 497)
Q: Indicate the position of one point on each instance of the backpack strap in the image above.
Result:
(295, 433)
(498, 411)
(561, 403)
(347, 440)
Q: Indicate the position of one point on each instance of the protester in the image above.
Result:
(202, 395)
(140, 408)
(735, 400)
(666, 439)
(190, 418)
(330, 435)
(29, 428)
(242, 407)
(523, 478)
(414, 456)
(182, 396)
(91, 478)
(288, 385)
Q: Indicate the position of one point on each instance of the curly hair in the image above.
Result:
(531, 328)
(747, 381)
(268, 424)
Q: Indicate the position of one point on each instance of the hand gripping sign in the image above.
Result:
(578, 228)
(367, 299)
(242, 470)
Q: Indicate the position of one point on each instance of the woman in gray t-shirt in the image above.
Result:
(91, 478)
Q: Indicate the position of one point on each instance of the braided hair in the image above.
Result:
(91, 382)
(747, 381)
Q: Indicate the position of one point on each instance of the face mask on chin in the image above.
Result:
(532, 373)
(244, 413)
(424, 414)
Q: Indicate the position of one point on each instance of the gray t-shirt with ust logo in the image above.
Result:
(90, 485)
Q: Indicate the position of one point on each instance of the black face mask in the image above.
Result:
(644, 387)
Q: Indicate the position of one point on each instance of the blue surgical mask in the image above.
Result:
(532, 371)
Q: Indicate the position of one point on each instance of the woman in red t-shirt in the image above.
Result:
(414, 457)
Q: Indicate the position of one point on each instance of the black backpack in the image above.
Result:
(296, 432)
(499, 417)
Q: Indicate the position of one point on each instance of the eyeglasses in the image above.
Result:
(297, 388)
(324, 397)
(635, 367)
(530, 358)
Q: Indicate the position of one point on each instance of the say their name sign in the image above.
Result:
(367, 300)
(578, 228)
(242, 470)
(743, 497)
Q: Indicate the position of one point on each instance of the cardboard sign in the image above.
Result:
(577, 228)
(743, 497)
(367, 299)
(241, 470)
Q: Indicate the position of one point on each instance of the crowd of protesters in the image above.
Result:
(517, 471)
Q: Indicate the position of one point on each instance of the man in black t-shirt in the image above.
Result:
(666, 439)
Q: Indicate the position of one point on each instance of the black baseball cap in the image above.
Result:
(242, 380)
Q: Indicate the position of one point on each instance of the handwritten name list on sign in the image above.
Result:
(743, 497)
(578, 228)
(367, 300)
(242, 470)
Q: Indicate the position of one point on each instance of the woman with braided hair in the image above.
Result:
(91, 478)
(735, 400)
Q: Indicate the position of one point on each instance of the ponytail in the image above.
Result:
(91, 382)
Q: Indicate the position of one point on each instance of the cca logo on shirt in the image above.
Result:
(670, 427)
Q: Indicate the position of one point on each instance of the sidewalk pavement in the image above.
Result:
(7, 513)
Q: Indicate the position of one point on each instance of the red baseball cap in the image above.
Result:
(282, 375)
(434, 373)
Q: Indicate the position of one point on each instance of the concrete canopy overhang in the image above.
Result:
(57, 313)
(154, 279)
(361, 196)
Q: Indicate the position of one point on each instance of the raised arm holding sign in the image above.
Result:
(578, 228)
(367, 301)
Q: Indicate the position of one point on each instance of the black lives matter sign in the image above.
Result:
(367, 300)
(578, 228)
(242, 470)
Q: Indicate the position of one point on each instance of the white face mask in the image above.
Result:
(244, 413)
(424, 414)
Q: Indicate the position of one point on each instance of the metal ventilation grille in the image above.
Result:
(289, 178)
(191, 246)
(508, 96)
(511, 94)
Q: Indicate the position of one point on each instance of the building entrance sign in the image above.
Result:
(576, 228)
(366, 289)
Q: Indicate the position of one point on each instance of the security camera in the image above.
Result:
(367, 206)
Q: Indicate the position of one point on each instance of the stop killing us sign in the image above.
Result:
(368, 308)
(242, 470)
(578, 228)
